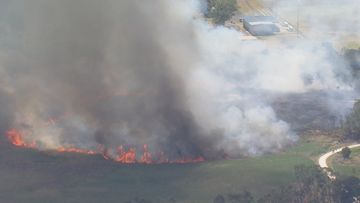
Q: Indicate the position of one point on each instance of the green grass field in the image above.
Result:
(32, 177)
(350, 167)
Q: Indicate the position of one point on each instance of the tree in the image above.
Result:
(345, 152)
(221, 10)
(351, 125)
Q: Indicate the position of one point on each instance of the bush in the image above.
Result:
(346, 188)
(345, 152)
(351, 125)
(221, 10)
(312, 185)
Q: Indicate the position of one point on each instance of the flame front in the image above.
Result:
(126, 157)
(146, 157)
(15, 137)
(123, 155)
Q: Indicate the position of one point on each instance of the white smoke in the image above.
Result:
(327, 20)
(229, 82)
(228, 88)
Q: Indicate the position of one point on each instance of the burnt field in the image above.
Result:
(313, 110)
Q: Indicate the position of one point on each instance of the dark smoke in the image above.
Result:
(112, 72)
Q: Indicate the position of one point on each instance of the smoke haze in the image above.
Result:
(137, 72)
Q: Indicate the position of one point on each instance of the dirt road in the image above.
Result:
(323, 159)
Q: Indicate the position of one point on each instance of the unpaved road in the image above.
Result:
(324, 157)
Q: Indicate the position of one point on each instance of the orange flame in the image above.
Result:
(123, 156)
(146, 157)
(126, 157)
(15, 138)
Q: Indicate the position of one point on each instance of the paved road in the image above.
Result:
(324, 157)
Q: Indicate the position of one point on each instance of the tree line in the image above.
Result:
(311, 186)
(351, 125)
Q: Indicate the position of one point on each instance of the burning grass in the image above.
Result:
(123, 155)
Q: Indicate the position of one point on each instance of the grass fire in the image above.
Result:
(168, 101)
(122, 155)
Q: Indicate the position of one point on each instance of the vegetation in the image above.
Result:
(311, 185)
(352, 123)
(348, 167)
(345, 152)
(346, 188)
(221, 10)
(243, 197)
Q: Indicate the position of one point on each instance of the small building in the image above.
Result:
(261, 25)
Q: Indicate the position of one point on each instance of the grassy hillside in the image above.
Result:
(31, 176)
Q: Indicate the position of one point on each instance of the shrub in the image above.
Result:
(221, 10)
(345, 152)
(351, 125)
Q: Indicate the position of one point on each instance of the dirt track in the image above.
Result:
(322, 160)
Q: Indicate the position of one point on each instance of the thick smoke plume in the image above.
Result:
(109, 72)
(88, 72)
